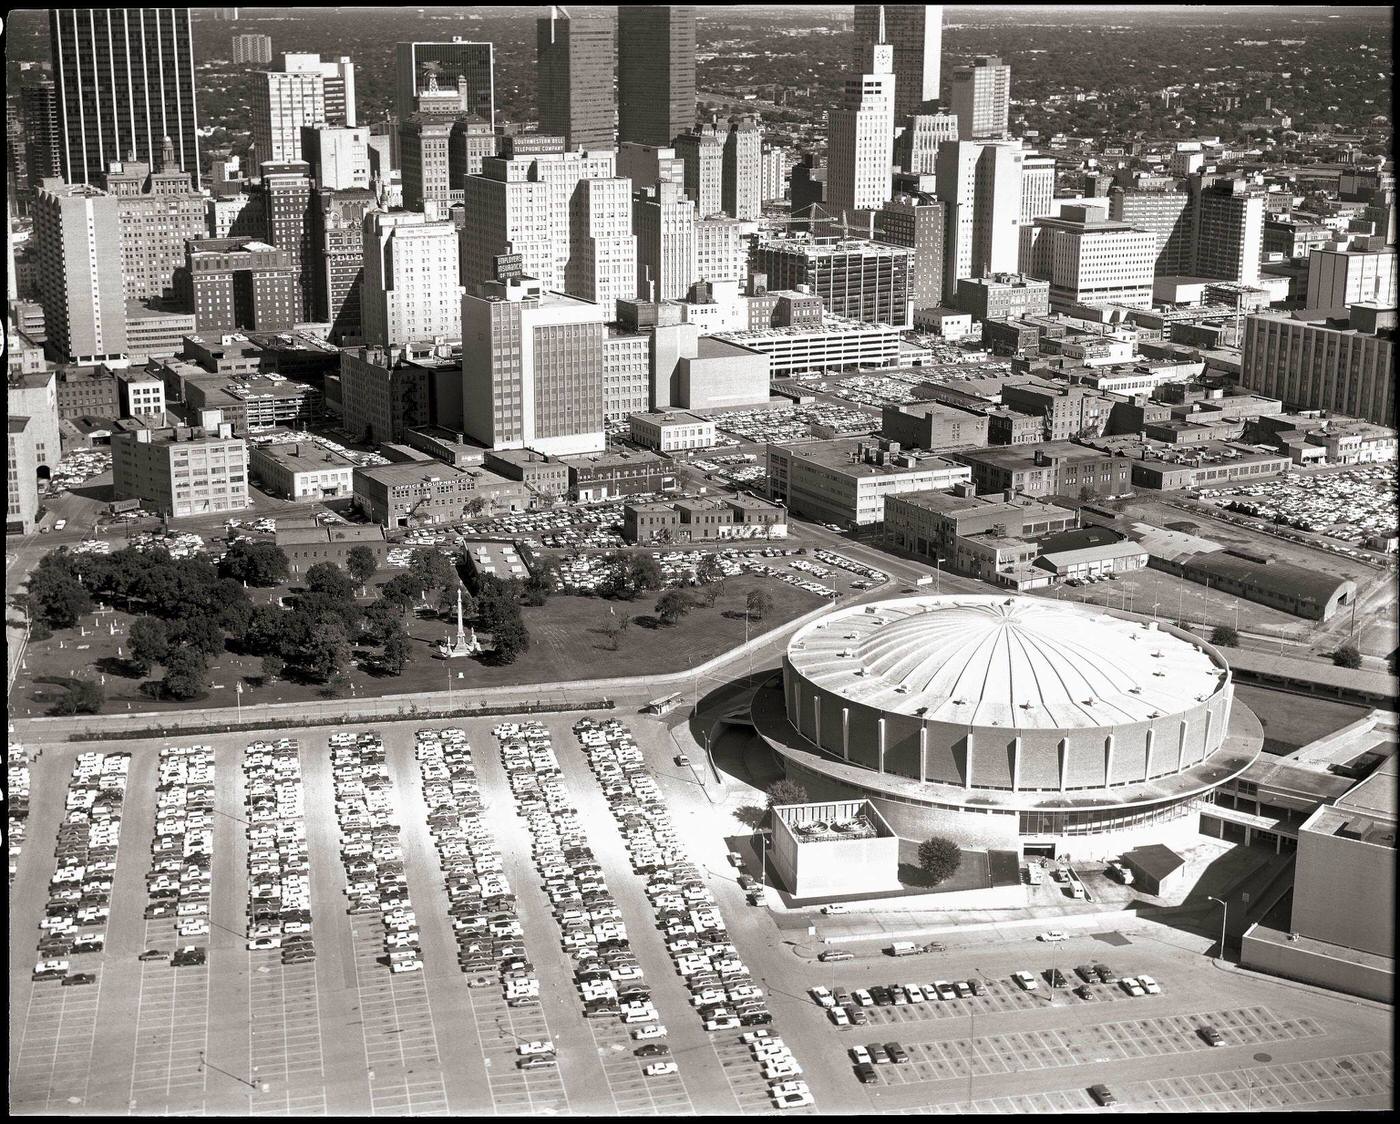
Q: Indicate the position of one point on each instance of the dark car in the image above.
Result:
(1083, 992)
(1056, 978)
(188, 957)
(1086, 973)
(653, 1050)
(78, 978)
(1103, 1095)
(1210, 1036)
(756, 1018)
(975, 986)
(882, 996)
(153, 954)
(877, 1053)
(1105, 973)
(866, 1073)
(896, 1053)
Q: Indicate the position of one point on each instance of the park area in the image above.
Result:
(570, 638)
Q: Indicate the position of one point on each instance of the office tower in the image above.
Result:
(339, 245)
(569, 237)
(16, 166)
(414, 63)
(721, 253)
(1227, 228)
(11, 281)
(532, 368)
(602, 261)
(860, 148)
(252, 48)
(158, 211)
(916, 31)
(1313, 361)
(916, 148)
(655, 72)
(981, 98)
(916, 221)
(701, 151)
(43, 150)
(854, 278)
(1164, 212)
(34, 395)
(980, 184)
(22, 492)
(424, 157)
(1092, 262)
(411, 289)
(305, 92)
(338, 158)
(574, 63)
(1037, 187)
(288, 202)
(125, 82)
(1339, 278)
(471, 141)
(179, 471)
(806, 188)
(647, 164)
(743, 169)
(776, 164)
(78, 271)
(235, 284)
(663, 219)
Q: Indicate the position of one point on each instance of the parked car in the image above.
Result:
(1210, 1036)
(1103, 1095)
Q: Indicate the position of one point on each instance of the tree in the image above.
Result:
(939, 858)
(402, 589)
(671, 606)
(381, 618)
(56, 597)
(540, 584)
(361, 563)
(786, 791)
(148, 643)
(474, 506)
(1225, 636)
(1348, 655)
(644, 573)
(758, 603)
(395, 655)
(431, 568)
(329, 579)
(447, 603)
(83, 696)
(510, 639)
(257, 563)
(326, 653)
(272, 665)
(709, 571)
(185, 673)
(264, 631)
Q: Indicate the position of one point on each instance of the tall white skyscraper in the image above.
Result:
(339, 158)
(1037, 187)
(568, 216)
(860, 148)
(916, 31)
(411, 291)
(981, 98)
(306, 91)
(980, 184)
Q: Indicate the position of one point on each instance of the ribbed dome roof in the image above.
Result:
(1004, 661)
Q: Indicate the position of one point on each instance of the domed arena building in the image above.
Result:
(1011, 723)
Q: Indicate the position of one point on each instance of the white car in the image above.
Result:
(528, 1048)
(1131, 985)
(860, 1055)
(838, 1016)
(785, 1067)
(1025, 980)
(661, 1069)
(406, 966)
(1053, 935)
(783, 1088)
(264, 942)
(644, 1032)
(758, 1035)
(793, 1100)
(1149, 985)
(834, 908)
(823, 996)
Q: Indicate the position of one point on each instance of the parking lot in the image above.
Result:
(341, 1033)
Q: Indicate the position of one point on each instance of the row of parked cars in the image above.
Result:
(607, 974)
(17, 799)
(851, 565)
(480, 900)
(794, 580)
(1089, 974)
(182, 849)
(370, 848)
(80, 891)
(720, 985)
(279, 863)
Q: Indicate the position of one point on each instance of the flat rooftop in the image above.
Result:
(303, 456)
(837, 454)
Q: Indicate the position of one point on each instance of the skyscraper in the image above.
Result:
(980, 184)
(655, 72)
(916, 221)
(339, 158)
(701, 150)
(860, 149)
(78, 258)
(575, 60)
(1227, 228)
(1167, 214)
(43, 148)
(339, 246)
(306, 91)
(981, 98)
(125, 82)
(475, 62)
(158, 211)
(916, 31)
(1037, 187)
(664, 221)
(743, 169)
(411, 292)
(252, 48)
(288, 196)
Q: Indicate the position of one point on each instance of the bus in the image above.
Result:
(663, 705)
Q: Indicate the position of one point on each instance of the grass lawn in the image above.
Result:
(567, 642)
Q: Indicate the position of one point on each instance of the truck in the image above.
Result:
(902, 948)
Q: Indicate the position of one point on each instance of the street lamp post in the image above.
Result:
(1224, 916)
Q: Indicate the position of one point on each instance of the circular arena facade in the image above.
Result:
(1009, 722)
